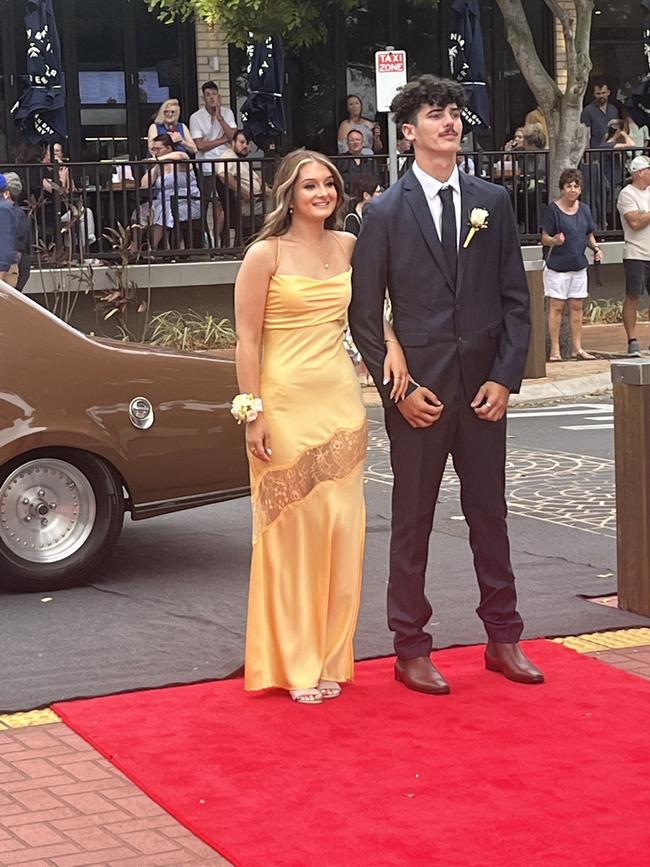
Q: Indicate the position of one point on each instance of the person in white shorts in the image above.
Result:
(567, 228)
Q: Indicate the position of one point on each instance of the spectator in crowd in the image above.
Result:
(516, 143)
(8, 255)
(507, 168)
(168, 121)
(64, 180)
(213, 128)
(638, 134)
(355, 163)
(13, 193)
(363, 189)
(530, 185)
(634, 207)
(567, 228)
(465, 163)
(176, 196)
(613, 164)
(369, 129)
(404, 155)
(597, 114)
(537, 116)
(246, 185)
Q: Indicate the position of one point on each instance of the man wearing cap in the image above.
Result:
(634, 207)
(8, 266)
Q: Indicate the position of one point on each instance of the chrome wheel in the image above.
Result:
(47, 510)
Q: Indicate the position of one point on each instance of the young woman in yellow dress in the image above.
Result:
(306, 436)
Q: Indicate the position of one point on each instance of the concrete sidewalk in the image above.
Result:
(569, 379)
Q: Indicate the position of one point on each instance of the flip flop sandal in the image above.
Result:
(306, 696)
(583, 355)
(553, 359)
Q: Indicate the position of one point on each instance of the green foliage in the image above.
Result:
(190, 330)
(299, 22)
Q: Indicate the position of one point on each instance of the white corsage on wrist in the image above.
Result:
(245, 407)
(478, 219)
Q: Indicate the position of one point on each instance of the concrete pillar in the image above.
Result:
(536, 361)
(632, 451)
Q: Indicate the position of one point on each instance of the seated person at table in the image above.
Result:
(175, 195)
(246, 185)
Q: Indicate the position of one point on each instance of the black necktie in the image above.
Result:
(448, 229)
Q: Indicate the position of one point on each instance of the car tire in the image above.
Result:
(61, 513)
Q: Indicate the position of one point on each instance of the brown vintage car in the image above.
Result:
(92, 428)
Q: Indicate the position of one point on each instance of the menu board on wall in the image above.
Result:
(101, 87)
(149, 87)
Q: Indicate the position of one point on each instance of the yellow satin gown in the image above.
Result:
(308, 503)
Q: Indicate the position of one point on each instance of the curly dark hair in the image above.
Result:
(569, 176)
(425, 90)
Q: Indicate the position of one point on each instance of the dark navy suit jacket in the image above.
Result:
(453, 334)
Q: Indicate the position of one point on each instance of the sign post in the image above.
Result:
(390, 75)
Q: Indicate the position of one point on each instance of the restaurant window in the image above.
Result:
(101, 79)
(617, 46)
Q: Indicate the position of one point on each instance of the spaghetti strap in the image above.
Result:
(338, 241)
(277, 253)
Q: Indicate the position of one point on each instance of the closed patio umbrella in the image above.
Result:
(467, 61)
(40, 111)
(263, 112)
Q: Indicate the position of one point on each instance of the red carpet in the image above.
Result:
(494, 775)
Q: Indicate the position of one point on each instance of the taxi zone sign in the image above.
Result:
(390, 74)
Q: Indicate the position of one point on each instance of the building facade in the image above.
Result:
(120, 63)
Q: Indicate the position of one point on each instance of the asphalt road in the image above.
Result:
(169, 607)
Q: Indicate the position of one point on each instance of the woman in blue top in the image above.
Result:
(567, 228)
(168, 121)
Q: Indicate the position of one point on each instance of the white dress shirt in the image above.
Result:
(431, 188)
(203, 125)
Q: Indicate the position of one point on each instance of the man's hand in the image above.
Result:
(421, 408)
(491, 401)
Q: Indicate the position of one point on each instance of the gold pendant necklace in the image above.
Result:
(318, 253)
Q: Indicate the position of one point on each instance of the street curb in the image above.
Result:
(536, 392)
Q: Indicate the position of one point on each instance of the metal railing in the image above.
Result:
(157, 210)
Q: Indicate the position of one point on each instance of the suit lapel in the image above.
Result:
(418, 203)
(468, 201)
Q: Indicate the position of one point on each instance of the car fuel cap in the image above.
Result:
(141, 413)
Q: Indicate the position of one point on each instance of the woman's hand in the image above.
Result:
(258, 439)
(598, 255)
(395, 369)
(558, 239)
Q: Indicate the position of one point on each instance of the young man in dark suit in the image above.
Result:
(446, 246)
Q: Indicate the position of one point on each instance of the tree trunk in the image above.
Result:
(567, 135)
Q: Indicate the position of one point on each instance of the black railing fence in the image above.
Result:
(209, 209)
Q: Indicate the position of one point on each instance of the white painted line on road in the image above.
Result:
(600, 418)
(555, 411)
(587, 427)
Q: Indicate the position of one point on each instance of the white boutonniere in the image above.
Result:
(478, 219)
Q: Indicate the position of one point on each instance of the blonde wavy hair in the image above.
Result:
(167, 104)
(278, 220)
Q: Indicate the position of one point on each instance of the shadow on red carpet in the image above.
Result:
(496, 773)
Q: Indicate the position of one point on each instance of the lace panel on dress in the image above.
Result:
(332, 460)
